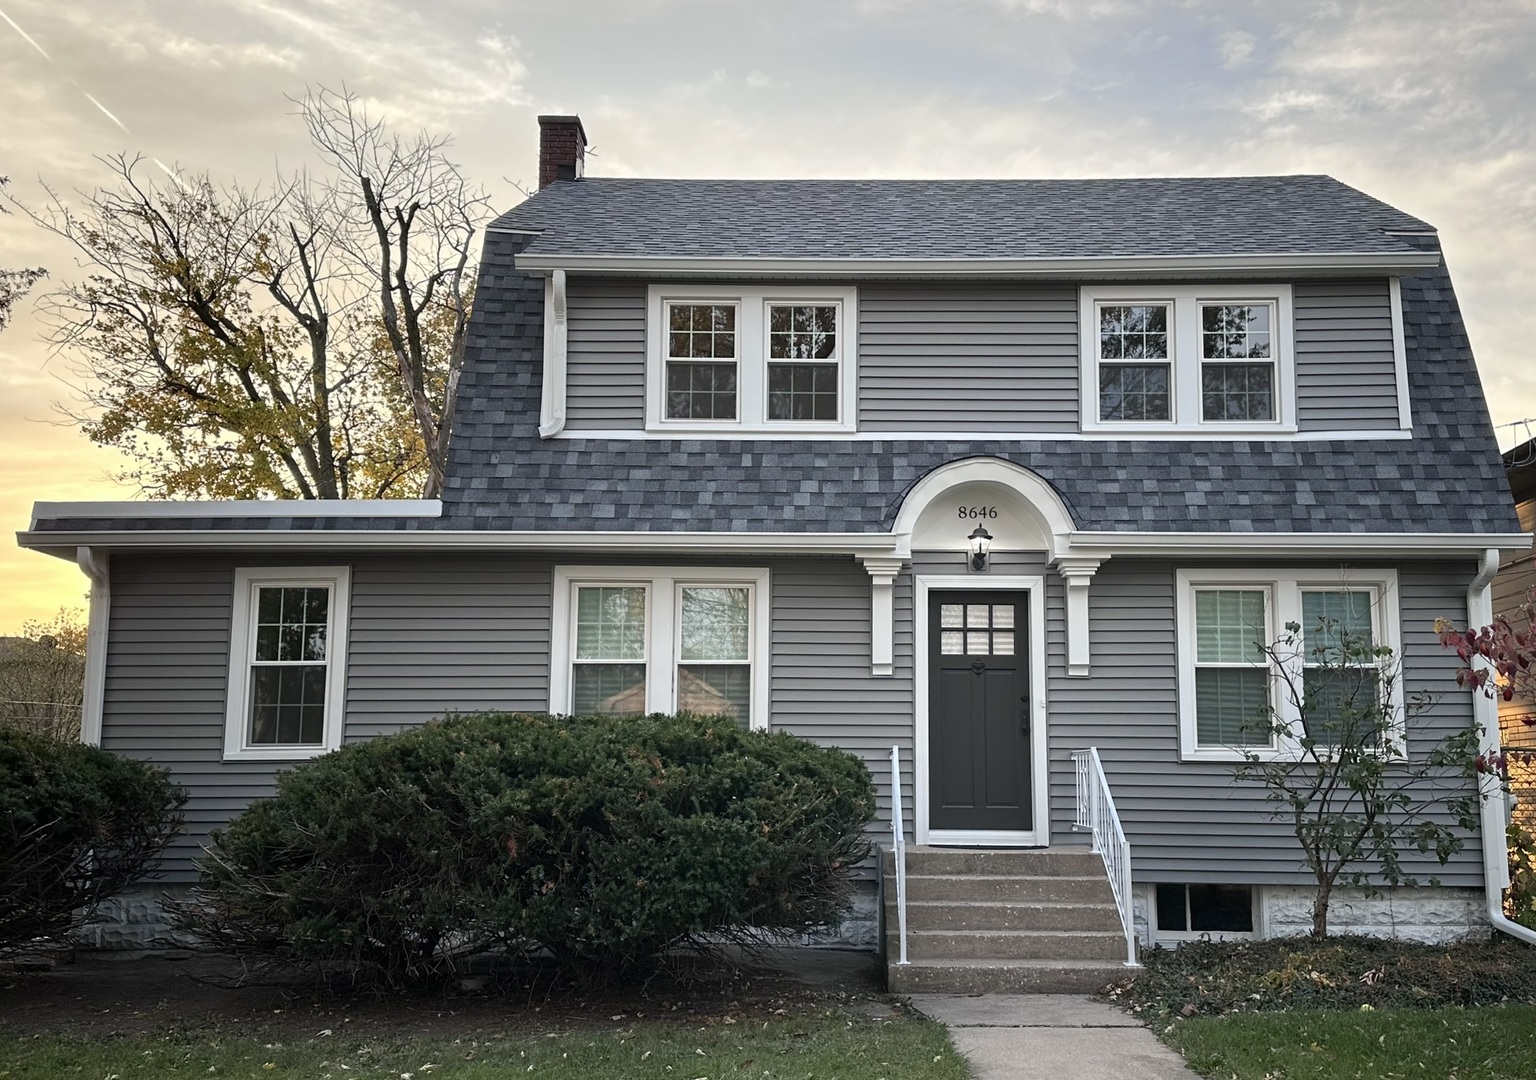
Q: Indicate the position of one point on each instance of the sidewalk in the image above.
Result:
(1052, 1037)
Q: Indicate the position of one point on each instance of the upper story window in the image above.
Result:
(727, 359)
(1195, 358)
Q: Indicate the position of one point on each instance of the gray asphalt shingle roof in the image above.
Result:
(980, 219)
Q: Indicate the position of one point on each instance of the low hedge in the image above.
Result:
(606, 841)
(77, 826)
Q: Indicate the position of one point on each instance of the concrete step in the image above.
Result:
(1007, 944)
(1028, 862)
(970, 915)
(1003, 976)
(1005, 888)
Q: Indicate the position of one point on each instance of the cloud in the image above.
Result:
(1236, 47)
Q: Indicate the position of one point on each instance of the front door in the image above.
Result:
(978, 710)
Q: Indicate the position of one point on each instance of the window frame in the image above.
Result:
(1158, 934)
(663, 630)
(244, 611)
(668, 359)
(752, 356)
(1285, 588)
(1186, 360)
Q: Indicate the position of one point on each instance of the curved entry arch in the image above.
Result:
(980, 708)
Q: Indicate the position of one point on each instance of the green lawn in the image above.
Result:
(813, 1044)
(1490, 1042)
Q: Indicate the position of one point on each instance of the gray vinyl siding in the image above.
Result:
(989, 358)
(605, 355)
(1189, 821)
(433, 634)
(1346, 374)
(971, 358)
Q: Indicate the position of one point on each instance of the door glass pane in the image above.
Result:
(1229, 626)
(610, 623)
(976, 615)
(608, 688)
(976, 643)
(1002, 643)
(952, 615)
(952, 642)
(1002, 616)
(716, 690)
(716, 623)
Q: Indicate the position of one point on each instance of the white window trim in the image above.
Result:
(1184, 357)
(664, 584)
(1285, 587)
(751, 358)
(1177, 937)
(243, 638)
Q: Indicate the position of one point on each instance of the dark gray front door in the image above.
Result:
(978, 710)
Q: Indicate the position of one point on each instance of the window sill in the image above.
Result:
(724, 430)
(1099, 427)
(276, 753)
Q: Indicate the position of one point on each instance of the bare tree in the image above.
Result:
(42, 677)
(14, 284)
(299, 341)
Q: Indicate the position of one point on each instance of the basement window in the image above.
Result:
(1188, 912)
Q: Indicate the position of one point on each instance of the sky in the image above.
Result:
(1427, 105)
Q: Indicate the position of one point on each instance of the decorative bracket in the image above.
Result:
(552, 405)
(882, 609)
(1078, 574)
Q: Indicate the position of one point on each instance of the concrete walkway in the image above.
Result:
(1051, 1037)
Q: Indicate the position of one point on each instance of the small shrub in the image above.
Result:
(604, 840)
(77, 826)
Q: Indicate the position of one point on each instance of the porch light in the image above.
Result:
(981, 543)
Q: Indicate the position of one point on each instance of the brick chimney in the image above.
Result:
(562, 149)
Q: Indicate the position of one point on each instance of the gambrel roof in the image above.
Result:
(959, 219)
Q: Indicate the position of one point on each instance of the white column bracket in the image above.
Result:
(552, 402)
(1078, 574)
(93, 562)
(882, 610)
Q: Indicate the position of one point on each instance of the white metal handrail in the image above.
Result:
(899, 855)
(1096, 812)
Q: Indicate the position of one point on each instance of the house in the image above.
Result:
(1511, 587)
(990, 472)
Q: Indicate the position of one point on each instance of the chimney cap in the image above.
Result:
(552, 120)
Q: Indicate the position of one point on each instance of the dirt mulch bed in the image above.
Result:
(1345, 972)
(97, 997)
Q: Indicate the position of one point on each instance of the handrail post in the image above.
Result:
(899, 855)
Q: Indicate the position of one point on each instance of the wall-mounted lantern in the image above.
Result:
(981, 543)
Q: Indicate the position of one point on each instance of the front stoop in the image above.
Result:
(1038, 921)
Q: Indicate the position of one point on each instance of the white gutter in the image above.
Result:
(1485, 711)
(552, 400)
(1278, 264)
(96, 566)
(240, 508)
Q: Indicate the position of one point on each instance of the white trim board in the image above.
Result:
(1276, 264)
(609, 435)
(1039, 746)
(241, 508)
(1400, 355)
(1097, 544)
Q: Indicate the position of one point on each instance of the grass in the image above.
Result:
(1490, 1042)
(827, 1043)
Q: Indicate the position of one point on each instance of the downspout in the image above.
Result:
(94, 563)
(1485, 711)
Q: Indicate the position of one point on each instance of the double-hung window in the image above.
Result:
(287, 662)
(728, 360)
(1212, 358)
(632, 640)
(1234, 697)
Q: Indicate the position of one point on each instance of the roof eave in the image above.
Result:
(1280, 264)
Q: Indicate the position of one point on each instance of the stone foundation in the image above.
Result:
(133, 922)
(1429, 913)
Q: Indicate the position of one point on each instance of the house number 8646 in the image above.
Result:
(978, 512)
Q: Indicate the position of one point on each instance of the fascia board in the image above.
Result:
(1159, 266)
(240, 508)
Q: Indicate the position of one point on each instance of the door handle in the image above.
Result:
(1024, 716)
